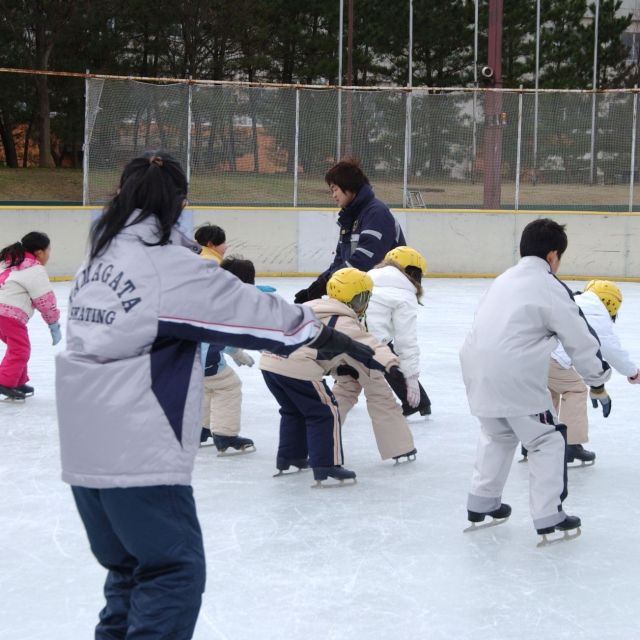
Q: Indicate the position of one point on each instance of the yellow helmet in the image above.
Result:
(407, 257)
(608, 292)
(351, 286)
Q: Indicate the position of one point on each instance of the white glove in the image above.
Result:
(413, 391)
(240, 357)
(635, 379)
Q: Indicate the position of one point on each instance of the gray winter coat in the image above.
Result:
(129, 383)
(505, 358)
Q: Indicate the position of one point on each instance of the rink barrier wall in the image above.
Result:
(288, 241)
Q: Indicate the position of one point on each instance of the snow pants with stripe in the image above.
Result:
(546, 444)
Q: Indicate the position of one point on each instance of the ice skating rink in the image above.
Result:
(384, 559)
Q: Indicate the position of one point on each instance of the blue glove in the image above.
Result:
(599, 394)
(266, 288)
(56, 333)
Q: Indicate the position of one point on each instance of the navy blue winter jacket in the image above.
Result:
(368, 231)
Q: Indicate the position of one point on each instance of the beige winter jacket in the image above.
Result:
(302, 363)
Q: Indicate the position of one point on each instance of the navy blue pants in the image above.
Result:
(150, 541)
(309, 420)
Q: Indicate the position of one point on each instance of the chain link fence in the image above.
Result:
(445, 148)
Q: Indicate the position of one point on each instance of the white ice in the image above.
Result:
(384, 559)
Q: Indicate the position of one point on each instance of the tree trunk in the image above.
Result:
(6, 137)
(43, 52)
(27, 140)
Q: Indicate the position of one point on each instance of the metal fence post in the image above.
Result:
(632, 171)
(519, 150)
(189, 116)
(407, 150)
(85, 144)
(295, 153)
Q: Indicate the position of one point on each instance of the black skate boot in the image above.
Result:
(410, 456)
(241, 445)
(499, 516)
(205, 434)
(283, 464)
(578, 452)
(523, 452)
(13, 393)
(337, 472)
(568, 524)
(28, 390)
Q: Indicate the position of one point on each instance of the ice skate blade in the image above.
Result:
(474, 526)
(405, 459)
(205, 445)
(4, 398)
(334, 485)
(583, 463)
(524, 459)
(282, 472)
(566, 537)
(229, 451)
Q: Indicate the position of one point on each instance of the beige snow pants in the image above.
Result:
(390, 427)
(222, 402)
(570, 395)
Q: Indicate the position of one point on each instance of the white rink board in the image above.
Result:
(292, 241)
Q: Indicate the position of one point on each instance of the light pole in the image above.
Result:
(592, 170)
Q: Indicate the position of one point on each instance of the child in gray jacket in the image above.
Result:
(505, 360)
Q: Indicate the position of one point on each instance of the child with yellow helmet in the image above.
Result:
(600, 303)
(392, 317)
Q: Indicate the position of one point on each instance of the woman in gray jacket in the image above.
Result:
(129, 394)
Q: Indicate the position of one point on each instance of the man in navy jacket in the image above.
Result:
(368, 229)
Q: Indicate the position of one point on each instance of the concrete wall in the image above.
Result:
(287, 240)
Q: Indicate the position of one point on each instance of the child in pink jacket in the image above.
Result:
(24, 287)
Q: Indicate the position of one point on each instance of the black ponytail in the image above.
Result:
(154, 183)
(14, 254)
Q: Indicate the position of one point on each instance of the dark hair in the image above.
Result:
(241, 268)
(541, 236)
(210, 233)
(14, 254)
(347, 175)
(154, 183)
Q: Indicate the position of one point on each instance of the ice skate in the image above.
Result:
(578, 452)
(205, 434)
(498, 516)
(28, 390)
(424, 410)
(410, 456)
(523, 453)
(283, 464)
(12, 393)
(239, 444)
(570, 523)
(337, 472)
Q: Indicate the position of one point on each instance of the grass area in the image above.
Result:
(65, 185)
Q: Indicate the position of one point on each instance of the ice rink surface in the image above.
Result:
(384, 559)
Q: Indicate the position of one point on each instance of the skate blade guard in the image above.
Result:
(567, 536)
(494, 522)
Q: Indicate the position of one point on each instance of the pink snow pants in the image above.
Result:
(13, 368)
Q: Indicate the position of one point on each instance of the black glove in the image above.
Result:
(599, 394)
(331, 343)
(314, 291)
(397, 381)
(347, 370)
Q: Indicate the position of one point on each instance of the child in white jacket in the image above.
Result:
(392, 318)
(600, 303)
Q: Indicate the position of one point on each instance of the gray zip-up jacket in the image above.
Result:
(129, 384)
(505, 357)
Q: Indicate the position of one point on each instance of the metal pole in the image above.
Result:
(474, 143)
(519, 151)
(592, 171)
(296, 147)
(189, 119)
(349, 76)
(339, 136)
(85, 145)
(535, 102)
(410, 81)
(407, 150)
(632, 171)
